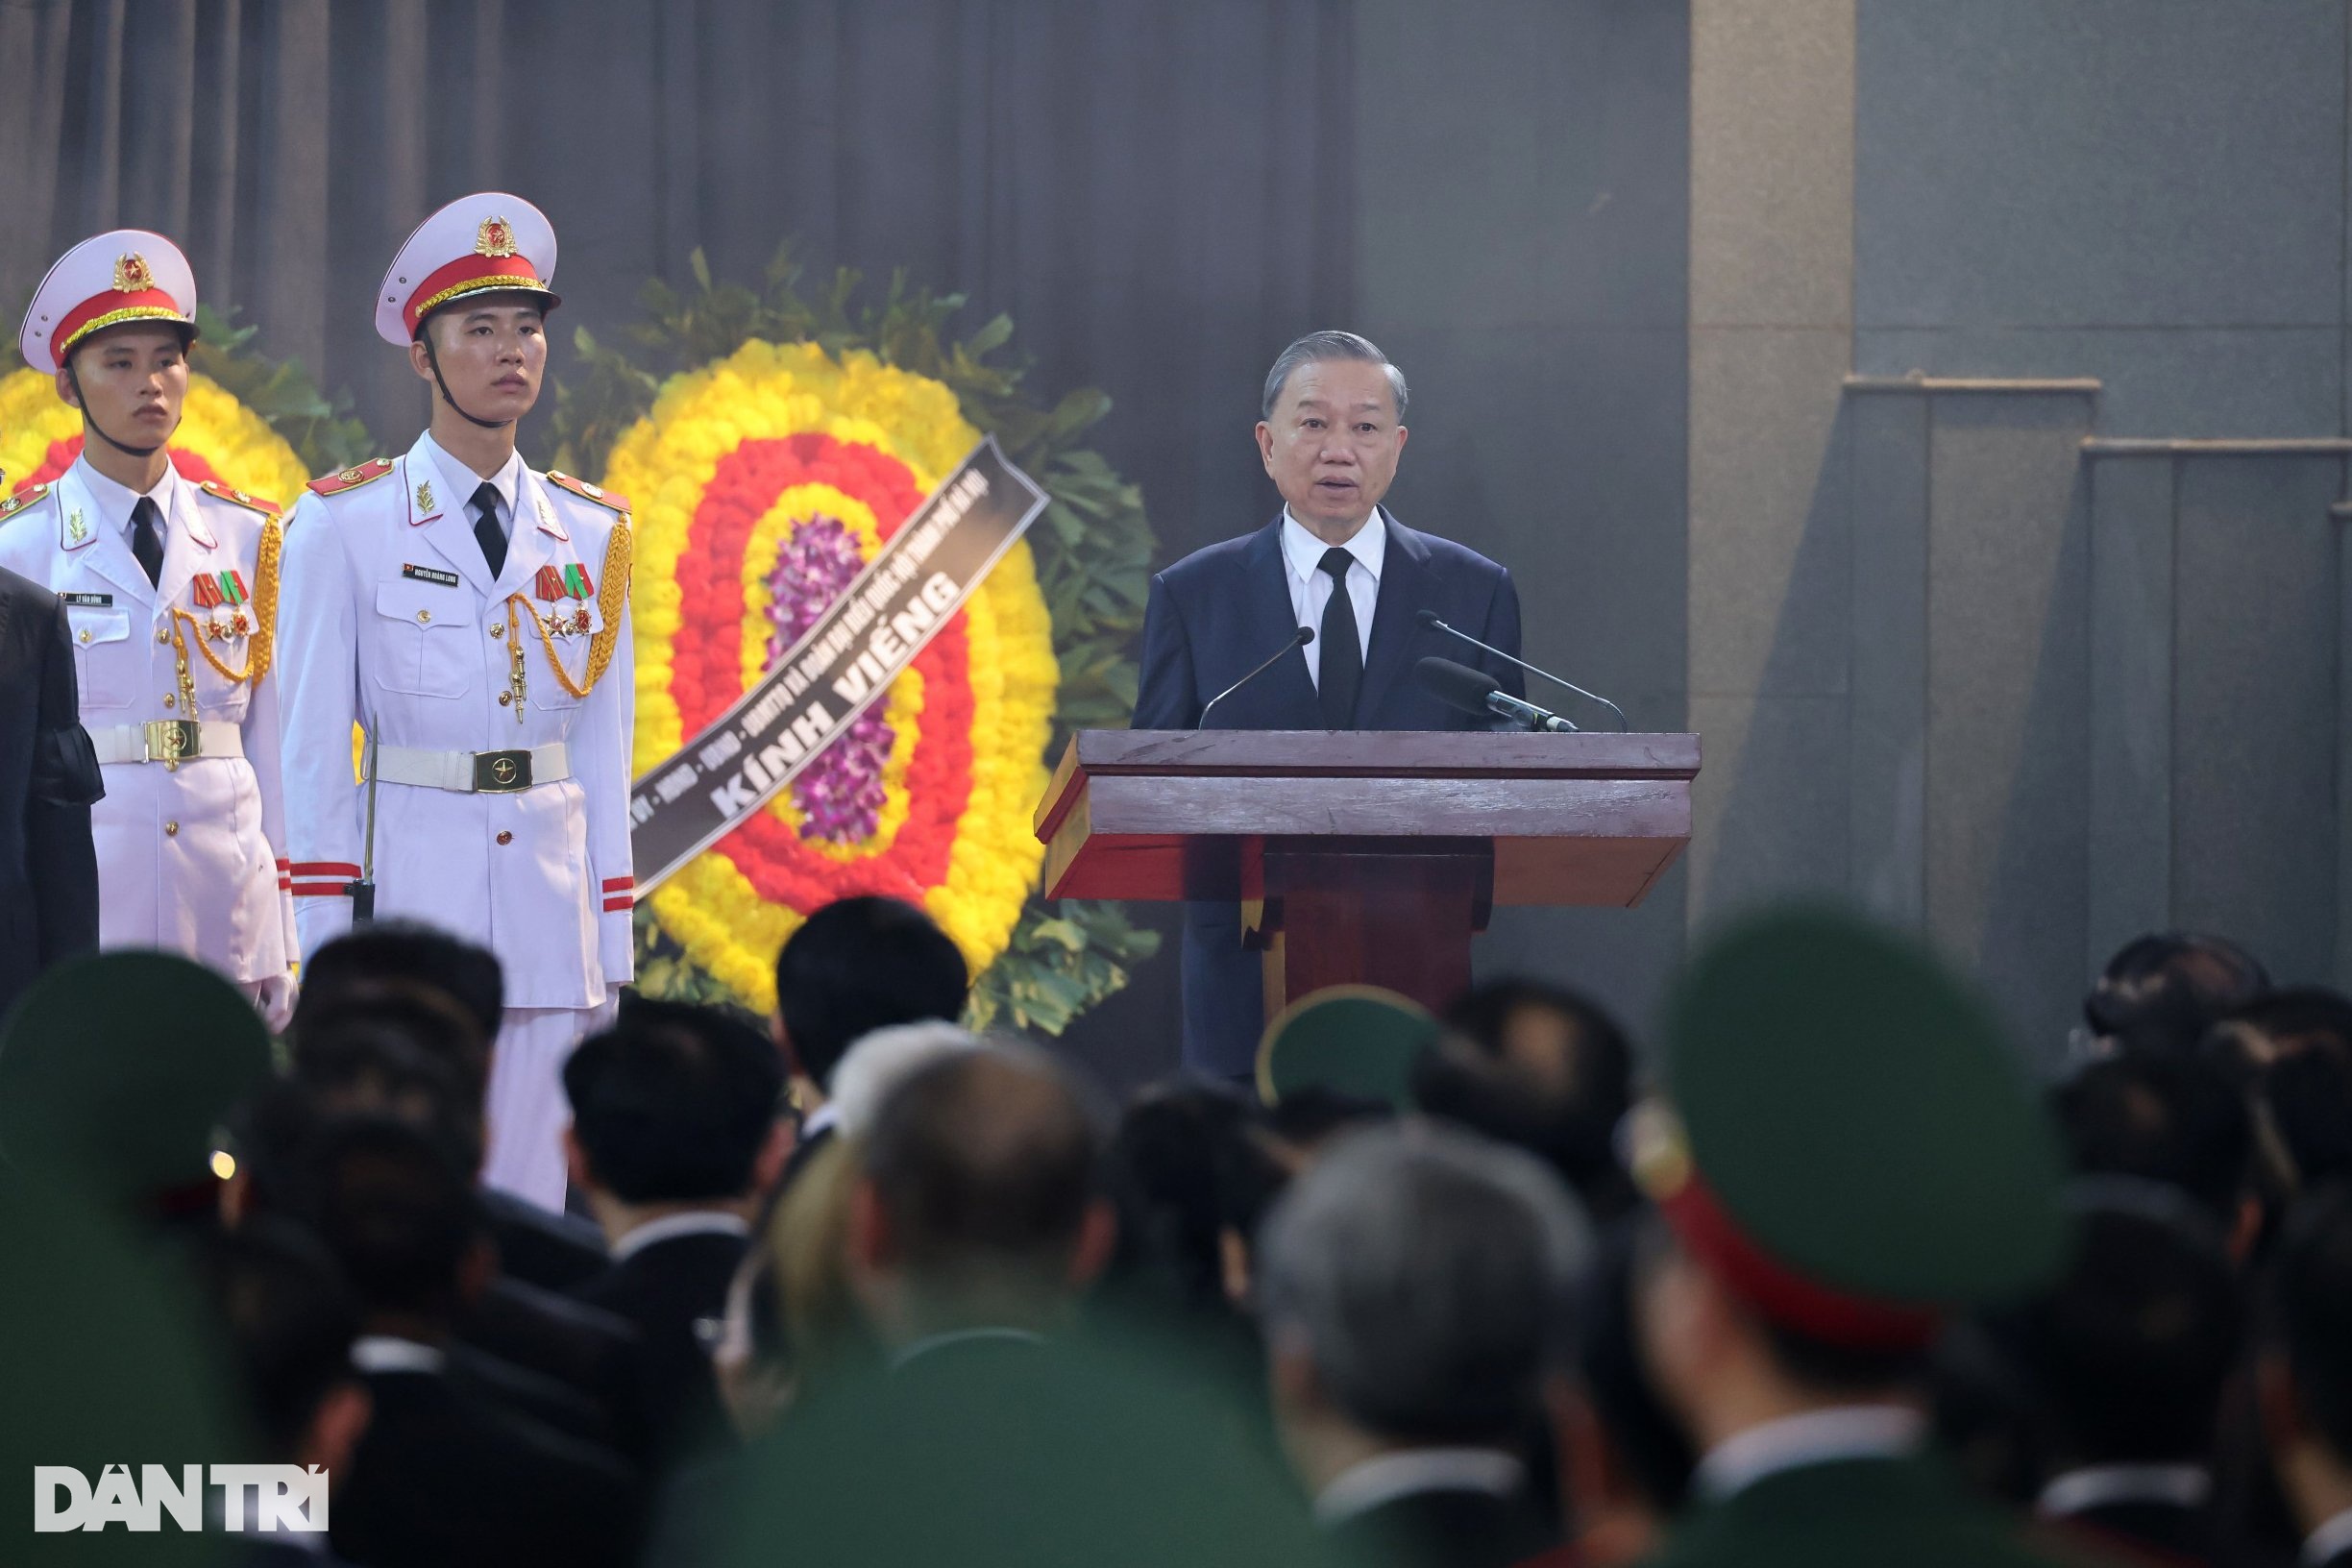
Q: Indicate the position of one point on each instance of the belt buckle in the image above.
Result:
(171, 739)
(502, 772)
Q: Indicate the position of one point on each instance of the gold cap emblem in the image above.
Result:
(495, 237)
(132, 275)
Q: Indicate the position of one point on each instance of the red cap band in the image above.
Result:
(109, 308)
(470, 275)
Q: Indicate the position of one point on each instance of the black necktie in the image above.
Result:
(1339, 670)
(146, 540)
(486, 527)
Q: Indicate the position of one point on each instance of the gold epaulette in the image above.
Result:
(257, 503)
(22, 499)
(349, 479)
(589, 492)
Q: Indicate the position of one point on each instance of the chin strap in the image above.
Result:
(90, 422)
(433, 359)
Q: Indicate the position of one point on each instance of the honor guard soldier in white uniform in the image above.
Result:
(472, 614)
(170, 590)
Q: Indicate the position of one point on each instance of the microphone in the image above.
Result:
(1428, 619)
(1473, 691)
(1300, 638)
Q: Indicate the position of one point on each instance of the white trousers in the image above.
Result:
(528, 1112)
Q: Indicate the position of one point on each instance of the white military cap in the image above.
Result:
(478, 243)
(122, 275)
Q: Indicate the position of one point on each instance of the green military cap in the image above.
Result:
(1360, 1041)
(1852, 1145)
(115, 1071)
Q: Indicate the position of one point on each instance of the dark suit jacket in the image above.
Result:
(555, 1252)
(1447, 1528)
(664, 1291)
(48, 781)
(444, 1477)
(1221, 610)
(2168, 1533)
(591, 1352)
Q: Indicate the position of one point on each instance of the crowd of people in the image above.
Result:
(1824, 1273)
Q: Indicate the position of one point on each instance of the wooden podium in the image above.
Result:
(1365, 856)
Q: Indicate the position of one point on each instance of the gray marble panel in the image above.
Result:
(1772, 149)
(1559, 454)
(1539, 155)
(2007, 754)
(1770, 567)
(2099, 162)
(2257, 612)
(1889, 750)
(2159, 381)
(1769, 813)
(2132, 504)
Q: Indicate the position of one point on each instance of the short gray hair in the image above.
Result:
(1429, 1274)
(1328, 345)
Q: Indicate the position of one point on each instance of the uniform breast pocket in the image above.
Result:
(572, 625)
(108, 665)
(425, 638)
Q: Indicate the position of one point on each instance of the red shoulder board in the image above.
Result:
(351, 477)
(22, 499)
(589, 492)
(237, 498)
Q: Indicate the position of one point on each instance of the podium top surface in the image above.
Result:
(1360, 754)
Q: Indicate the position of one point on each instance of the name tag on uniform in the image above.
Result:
(427, 573)
(91, 601)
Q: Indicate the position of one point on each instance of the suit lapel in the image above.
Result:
(1269, 618)
(1403, 590)
(107, 554)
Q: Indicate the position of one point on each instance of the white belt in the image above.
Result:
(172, 741)
(474, 772)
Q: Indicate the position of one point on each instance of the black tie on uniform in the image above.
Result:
(146, 543)
(486, 527)
(1340, 670)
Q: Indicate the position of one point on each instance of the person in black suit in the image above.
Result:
(1415, 1286)
(49, 779)
(286, 1322)
(446, 1473)
(2303, 1374)
(537, 1246)
(854, 967)
(2125, 1359)
(1332, 432)
(675, 1137)
(393, 1056)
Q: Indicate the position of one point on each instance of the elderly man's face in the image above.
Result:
(1333, 444)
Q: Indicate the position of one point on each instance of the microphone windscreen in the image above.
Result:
(1456, 685)
(1306, 635)
(1427, 618)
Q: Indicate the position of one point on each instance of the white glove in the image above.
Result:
(274, 995)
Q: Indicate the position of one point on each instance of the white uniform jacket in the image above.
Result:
(189, 852)
(391, 620)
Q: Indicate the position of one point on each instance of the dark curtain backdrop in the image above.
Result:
(1160, 195)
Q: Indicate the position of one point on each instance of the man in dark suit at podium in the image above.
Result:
(1332, 430)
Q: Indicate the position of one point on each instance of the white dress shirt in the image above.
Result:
(463, 482)
(389, 1352)
(670, 1227)
(1845, 1432)
(1363, 1487)
(2098, 1485)
(118, 500)
(1311, 586)
(2330, 1541)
